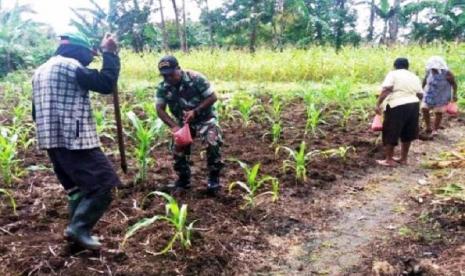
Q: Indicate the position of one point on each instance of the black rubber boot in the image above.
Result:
(213, 185)
(182, 184)
(87, 214)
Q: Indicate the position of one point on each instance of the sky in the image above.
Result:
(57, 13)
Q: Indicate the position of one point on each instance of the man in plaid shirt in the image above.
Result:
(66, 129)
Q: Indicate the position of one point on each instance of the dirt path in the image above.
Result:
(376, 208)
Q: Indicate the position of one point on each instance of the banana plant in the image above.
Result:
(175, 216)
(298, 161)
(252, 184)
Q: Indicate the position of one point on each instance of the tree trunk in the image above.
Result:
(210, 24)
(163, 28)
(278, 24)
(339, 28)
(184, 45)
(385, 29)
(371, 27)
(253, 28)
(178, 25)
(394, 23)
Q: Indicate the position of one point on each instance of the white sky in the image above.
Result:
(57, 13)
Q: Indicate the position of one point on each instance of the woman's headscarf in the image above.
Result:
(436, 62)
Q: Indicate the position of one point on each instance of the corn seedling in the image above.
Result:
(25, 137)
(10, 198)
(8, 153)
(224, 110)
(275, 131)
(298, 160)
(345, 113)
(340, 152)
(144, 135)
(313, 119)
(176, 217)
(243, 105)
(102, 123)
(276, 107)
(253, 183)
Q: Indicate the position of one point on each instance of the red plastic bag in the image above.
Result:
(183, 136)
(377, 124)
(452, 109)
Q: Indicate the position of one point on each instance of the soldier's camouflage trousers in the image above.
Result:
(210, 134)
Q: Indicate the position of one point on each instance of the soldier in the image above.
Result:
(190, 99)
(66, 129)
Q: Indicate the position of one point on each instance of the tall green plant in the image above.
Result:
(144, 134)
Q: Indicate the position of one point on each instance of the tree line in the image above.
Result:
(142, 24)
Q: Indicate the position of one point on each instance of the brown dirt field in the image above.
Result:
(230, 241)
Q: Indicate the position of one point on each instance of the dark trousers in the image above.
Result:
(88, 170)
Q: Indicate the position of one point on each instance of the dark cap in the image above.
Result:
(168, 64)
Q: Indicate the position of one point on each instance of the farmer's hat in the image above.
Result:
(167, 65)
(78, 39)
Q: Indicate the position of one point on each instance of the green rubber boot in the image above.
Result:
(90, 209)
(73, 202)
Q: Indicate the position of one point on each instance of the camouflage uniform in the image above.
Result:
(193, 89)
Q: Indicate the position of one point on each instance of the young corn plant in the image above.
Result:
(275, 131)
(276, 108)
(102, 123)
(8, 152)
(253, 183)
(340, 152)
(243, 105)
(10, 199)
(175, 215)
(224, 110)
(144, 135)
(298, 161)
(345, 114)
(314, 119)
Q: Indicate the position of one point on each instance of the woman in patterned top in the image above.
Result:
(440, 88)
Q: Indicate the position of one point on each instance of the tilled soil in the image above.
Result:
(229, 240)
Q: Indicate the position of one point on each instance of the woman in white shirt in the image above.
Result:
(399, 100)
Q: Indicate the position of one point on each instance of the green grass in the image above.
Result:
(365, 64)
